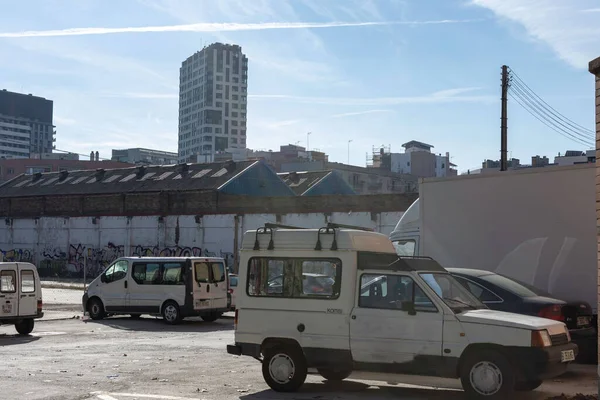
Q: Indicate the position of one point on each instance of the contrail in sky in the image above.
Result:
(218, 27)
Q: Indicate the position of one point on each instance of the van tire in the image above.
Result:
(211, 317)
(494, 363)
(96, 309)
(171, 313)
(287, 357)
(25, 327)
(334, 375)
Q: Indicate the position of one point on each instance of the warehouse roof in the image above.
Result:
(211, 177)
(315, 183)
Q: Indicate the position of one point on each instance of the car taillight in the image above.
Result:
(235, 319)
(552, 312)
(230, 291)
(39, 305)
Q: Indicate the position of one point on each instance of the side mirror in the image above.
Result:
(103, 278)
(409, 307)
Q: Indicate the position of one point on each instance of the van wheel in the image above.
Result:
(24, 327)
(171, 313)
(487, 375)
(333, 374)
(527, 386)
(211, 317)
(96, 309)
(284, 369)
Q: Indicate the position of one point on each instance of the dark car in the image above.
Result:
(501, 293)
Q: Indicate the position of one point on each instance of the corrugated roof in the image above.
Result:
(126, 180)
(300, 182)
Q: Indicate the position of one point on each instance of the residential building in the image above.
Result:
(25, 125)
(213, 97)
(575, 157)
(144, 156)
(537, 161)
(417, 160)
(11, 168)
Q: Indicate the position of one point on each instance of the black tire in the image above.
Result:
(274, 365)
(494, 365)
(211, 317)
(135, 316)
(334, 375)
(527, 386)
(25, 327)
(171, 313)
(96, 309)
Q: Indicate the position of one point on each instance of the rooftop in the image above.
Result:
(181, 177)
(416, 143)
(300, 182)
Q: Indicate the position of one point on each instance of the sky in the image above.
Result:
(373, 72)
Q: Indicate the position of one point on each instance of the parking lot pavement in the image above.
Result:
(124, 359)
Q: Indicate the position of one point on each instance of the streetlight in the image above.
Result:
(349, 141)
(308, 146)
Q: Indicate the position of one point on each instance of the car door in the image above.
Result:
(383, 335)
(114, 287)
(27, 290)
(201, 286)
(9, 296)
(218, 285)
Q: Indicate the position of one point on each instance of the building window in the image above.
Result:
(235, 88)
(219, 104)
(219, 78)
(235, 97)
(294, 277)
(234, 114)
(233, 140)
(234, 105)
(219, 86)
(219, 95)
(10, 171)
(234, 123)
(234, 132)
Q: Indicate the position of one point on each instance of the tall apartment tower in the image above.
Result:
(25, 125)
(213, 98)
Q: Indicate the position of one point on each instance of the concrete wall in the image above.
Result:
(63, 246)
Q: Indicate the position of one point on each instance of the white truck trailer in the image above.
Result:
(536, 225)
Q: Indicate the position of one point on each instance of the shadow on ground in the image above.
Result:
(152, 324)
(8, 340)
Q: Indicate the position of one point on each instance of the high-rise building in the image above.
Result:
(25, 125)
(144, 156)
(213, 98)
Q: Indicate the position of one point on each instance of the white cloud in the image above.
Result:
(352, 114)
(571, 30)
(58, 121)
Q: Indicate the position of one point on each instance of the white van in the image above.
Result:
(385, 318)
(20, 296)
(174, 287)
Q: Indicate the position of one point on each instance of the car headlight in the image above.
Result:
(540, 339)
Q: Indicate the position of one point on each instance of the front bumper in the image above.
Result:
(542, 363)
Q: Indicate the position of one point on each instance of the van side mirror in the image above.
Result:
(103, 278)
(409, 307)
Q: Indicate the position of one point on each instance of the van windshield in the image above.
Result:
(451, 292)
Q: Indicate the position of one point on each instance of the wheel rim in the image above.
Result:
(170, 313)
(95, 309)
(486, 378)
(282, 368)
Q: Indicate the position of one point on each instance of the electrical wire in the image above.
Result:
(548, 118)
(515, 78)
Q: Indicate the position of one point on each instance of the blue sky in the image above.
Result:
(427, 70)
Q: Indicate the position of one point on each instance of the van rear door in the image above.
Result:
(9, 296)
(27, 290)
(202, 285)
(219, 283)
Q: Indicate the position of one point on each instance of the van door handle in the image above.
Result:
(207, 288)
(7, 301)
(125, 284)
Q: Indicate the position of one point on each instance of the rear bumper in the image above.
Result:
(244, 349)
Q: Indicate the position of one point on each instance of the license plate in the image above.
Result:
(583, 321)
(567, 355)
(7, 308)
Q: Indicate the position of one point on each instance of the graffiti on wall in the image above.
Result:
(175, 251)
(22, 255)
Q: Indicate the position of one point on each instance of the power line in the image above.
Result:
(549, 118)
(580, 141)
(548, 107)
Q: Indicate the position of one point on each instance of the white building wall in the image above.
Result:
(63, 247)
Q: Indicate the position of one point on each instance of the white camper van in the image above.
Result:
(169, 286)
(384, 317)
(20, 296)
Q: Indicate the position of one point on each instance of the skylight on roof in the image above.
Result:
(22, 183)
(67, 179)
(202, 173)
(300, 182)
(93, 180)
(112, 178)
(219, 173)
(79, 180)
(128, 178)
(36, 182)
(165, 175)
(148, 175)
(50, 181)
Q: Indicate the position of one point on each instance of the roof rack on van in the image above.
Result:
(326, 231)
(272, 225)
(263, 231)
(335, 225)
(417, 257)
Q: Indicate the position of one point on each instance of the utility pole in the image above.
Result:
(504, 122)
(349, 141)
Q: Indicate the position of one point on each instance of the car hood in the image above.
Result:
(501, 318)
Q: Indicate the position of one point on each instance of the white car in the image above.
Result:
(385, 318)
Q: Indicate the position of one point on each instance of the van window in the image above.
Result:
(233, 281)
(202, 272)
(7, 282)
(27, 282)
(116, 271)
(172, 274)
(218, 270)
(390, 291)
(147, 274)
(294, 277)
